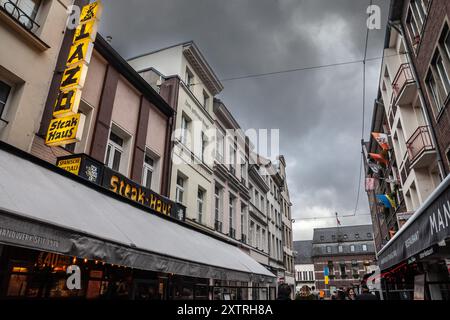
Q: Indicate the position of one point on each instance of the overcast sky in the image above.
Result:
(319, 112)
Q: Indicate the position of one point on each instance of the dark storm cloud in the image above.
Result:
(318, 111)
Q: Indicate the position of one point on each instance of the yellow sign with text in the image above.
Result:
(65, 130)
(70, 165)
(67, 127)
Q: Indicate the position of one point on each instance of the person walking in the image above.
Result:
(366, 295)
(284, 292)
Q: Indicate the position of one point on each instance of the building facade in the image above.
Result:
(346, 254)
(412, 109)
(31, 32)
(192, 172)
(304, 266)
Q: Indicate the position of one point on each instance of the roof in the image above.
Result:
(198, 61)
(347, 233)
(89, 221)
(303, 252)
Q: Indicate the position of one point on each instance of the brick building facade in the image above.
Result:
(347, 252)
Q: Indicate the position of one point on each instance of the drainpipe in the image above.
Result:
(399, 28)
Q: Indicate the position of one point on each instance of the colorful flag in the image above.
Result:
(386, 200)
(382, 140)
(370, 184)
(378, 157)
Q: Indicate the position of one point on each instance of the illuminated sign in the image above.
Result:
(65, 130)
(83, 166)
(70, 165)
(137, 193)
(73, 80)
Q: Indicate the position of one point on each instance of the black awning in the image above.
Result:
(429, 226)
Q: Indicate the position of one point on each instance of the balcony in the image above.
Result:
(16, 12)
(403, 86)
(421, 151)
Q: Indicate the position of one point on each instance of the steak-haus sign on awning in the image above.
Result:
(429, 226)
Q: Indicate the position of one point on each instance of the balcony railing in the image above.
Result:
(403, 77)
(419, 143)
(14, 11)
(218, 226)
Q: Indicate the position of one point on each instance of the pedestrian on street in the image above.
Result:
(351, 294)
(366, 295)
(284, 292)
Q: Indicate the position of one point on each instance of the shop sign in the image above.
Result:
(52, 259)
(124, 187)
(65, 130)
(83, 166)
(73, 80)
(431, 227)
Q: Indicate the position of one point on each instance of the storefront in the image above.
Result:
(50, 219)
(415, 263)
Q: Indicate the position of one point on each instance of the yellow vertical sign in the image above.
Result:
(67, 125)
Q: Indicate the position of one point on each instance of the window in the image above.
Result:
(443, 74)
(345, 237)
(180, 189)
(148, 171)
(435, 93)
(200, 204)
(416, 16)
(364, 247)
(204, 145)
(217, 206)
(357, 236)
(352, 248)
(311, 275)
(342, 268)
(369, 235)
(189, 78)
(328, 249)
(333, 237)
(251, 236)
(232, 160)
(256, 199)
(322, 238)
(5, 90)
(258, 237)
(25, 11)
(184, 130)
(341, 249)
(206, 99)
(263, 239)
(231, 204)
(219, 146)
(262, 203)
(114, 151)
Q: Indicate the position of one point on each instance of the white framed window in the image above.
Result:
(258, 237)
(114, 152)
(364, 247)
(352, 248)
(263, 239)
(220, 144)
(200, 204)
(5, 91)
(218, 204)
(148, 178)
(189, 78)
(231, 215)
(341, 249)
(328, 249)
(29, 7)
(180, 189)
(185, 124)
(232, 160)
